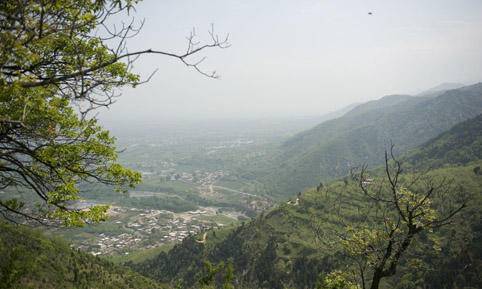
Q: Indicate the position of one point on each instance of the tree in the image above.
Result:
(376, 232)
(229, 276)
(59, 61)
(219, 275)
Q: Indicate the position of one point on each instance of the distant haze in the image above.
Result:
(305, 57)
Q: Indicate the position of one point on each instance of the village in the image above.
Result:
(131, 228)
(197, 177)
(147, 228)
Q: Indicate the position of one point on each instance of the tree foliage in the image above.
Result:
(59, 61)
(337, 280)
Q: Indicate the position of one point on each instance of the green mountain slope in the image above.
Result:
(460, 145)
(279, 249)
(30, 260)
(361, 135)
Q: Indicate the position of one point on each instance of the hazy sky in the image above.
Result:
(302, 57)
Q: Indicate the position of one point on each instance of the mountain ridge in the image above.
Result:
(360, 136)
(458, 146)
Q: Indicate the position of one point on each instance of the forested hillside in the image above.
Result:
(31, 260)
(280, 248)
(361, 135)
(459, 145)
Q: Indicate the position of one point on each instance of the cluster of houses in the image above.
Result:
(198, 177)
(211, 177)
(149, 228)
(110, 244)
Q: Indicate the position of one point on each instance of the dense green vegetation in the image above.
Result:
(361, 135)
(458, 146)
(31, 260)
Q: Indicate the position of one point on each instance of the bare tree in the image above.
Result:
(376, 231)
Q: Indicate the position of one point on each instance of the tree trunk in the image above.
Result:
(377, 277)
